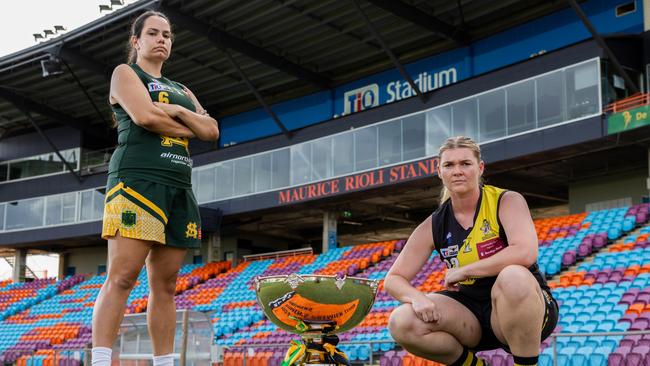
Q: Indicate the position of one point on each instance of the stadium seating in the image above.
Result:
(564, 240)
(63, 322)
(600, 260)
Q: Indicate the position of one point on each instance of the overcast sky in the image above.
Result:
(19, 20)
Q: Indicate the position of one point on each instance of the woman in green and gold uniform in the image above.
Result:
(150, 214)
(496, 296)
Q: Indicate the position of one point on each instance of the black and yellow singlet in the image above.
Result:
(146, 155)
(458, 247)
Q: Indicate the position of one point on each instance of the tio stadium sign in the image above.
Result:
(361, 181)
(369, 96)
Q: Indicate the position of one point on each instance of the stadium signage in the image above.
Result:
(361, 181)
(628, 120)
(369, 96)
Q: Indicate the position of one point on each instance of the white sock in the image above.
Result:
(164, 360)
(101, 356)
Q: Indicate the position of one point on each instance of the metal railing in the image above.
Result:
(634, 101)
(249, 350)
(56, 357)
(96, 158)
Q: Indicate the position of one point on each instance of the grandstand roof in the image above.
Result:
(286, 49)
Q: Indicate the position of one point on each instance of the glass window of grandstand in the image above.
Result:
(551, 99)
(206, 181)
(92, 205)
(60, 209)
(365, 148)
(492, 115)
(413, 136)
(39, 165)
(438, 128)
(224, 180)
(24, 214)
(521, 107)
(541, 101)
(262, 172)
(243, 176)
(465, 118)
(390, 142)
(300, 164)
(2, 215)
(343, 151)
(321, 159)
(281, 168)
(581, 90)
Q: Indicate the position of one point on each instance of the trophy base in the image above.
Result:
(321, 351)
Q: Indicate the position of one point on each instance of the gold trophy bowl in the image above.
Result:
(316, 307)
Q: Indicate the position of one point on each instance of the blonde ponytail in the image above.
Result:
(444, 195)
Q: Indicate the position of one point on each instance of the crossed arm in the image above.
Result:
(164, 119)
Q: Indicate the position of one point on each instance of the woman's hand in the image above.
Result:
(172, 110)
(453, 277)
(426, 310)
(197, 105)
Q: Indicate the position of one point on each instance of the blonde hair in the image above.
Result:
(458, 142)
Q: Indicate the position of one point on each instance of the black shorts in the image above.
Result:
(482, 310)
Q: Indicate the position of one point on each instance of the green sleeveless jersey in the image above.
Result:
(146, 155)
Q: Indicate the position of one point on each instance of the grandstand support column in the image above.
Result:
(63, 264)
(20, 265)
(330, 219)
(214, 252)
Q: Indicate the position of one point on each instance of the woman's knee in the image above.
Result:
(402, 323)
(123, 281)
(163, 285)
(515, 283)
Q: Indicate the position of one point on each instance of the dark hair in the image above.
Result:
(136, 30)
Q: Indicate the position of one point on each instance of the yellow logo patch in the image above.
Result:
(191, 231)
(170, 141)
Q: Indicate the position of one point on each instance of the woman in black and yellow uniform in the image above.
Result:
(150, 215)
(496, 297)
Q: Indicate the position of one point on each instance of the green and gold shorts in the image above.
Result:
(145, 210)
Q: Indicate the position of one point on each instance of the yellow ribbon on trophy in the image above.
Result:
(298, 352)
(295, 354)
(336, 354)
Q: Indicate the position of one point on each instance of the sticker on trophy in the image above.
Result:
(292, 307)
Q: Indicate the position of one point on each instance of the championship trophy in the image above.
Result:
(316, 307)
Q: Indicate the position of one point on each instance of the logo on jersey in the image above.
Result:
(170, 141)
(156, 86)
(489, 248)
(448, 238)
(486, 229)
(191, 231)
(468, 248)
(450, 251)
